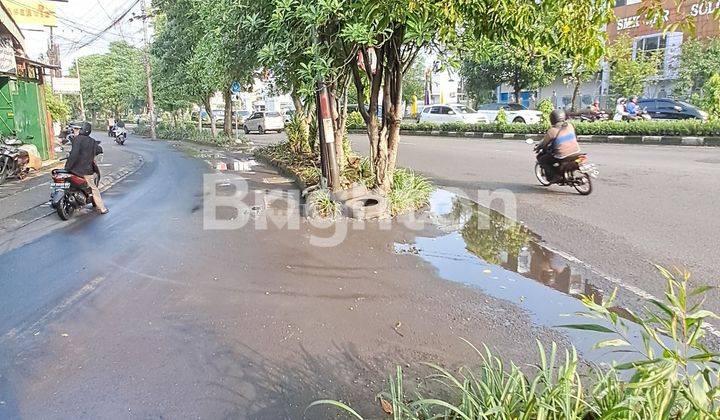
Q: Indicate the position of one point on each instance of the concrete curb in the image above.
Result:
(282, 169)
(583, 138)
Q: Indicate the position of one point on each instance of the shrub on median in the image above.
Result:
(186, 131)
(637, 128)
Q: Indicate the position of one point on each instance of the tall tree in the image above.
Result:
(178, 35)
(628, 75)
(698, 62)
(113, 83)
(502, 63)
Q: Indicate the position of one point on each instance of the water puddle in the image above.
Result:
(483, 249)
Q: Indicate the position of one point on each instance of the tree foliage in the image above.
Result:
(698, 62)
(628, 75)
(58, 109)
(113, 83)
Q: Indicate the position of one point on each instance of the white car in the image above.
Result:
(516, 113)
(262, 121)
(441, 114)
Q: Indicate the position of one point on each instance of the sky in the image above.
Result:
(80, 22)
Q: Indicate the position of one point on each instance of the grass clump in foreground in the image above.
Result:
(320, 203)
(410, 191)
(673, 376)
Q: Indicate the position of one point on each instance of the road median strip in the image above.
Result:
(585, 138)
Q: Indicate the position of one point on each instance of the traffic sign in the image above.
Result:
(235, 88)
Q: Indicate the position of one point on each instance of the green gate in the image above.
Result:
(22, 111)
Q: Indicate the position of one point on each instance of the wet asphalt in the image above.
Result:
(651, 204)
(144, 313)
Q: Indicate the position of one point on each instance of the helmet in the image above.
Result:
(557, 116)
(85, 128)
(621, 100)
(74, 125)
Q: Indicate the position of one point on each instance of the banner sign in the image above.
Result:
(68, 85)
(7, 55)
(32, 12)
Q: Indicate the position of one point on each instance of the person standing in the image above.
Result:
(81, 162)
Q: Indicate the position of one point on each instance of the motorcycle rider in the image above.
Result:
(632, 108)
(620, 111)
(81, 162)
(559, 143)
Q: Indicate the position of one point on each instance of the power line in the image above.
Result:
(113, 23)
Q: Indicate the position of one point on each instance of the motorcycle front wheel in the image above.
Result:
(540, 175)
(65, 210)
(582, 183)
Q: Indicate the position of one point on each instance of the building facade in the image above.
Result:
(647, 38)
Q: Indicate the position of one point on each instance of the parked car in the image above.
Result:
(441, 114)
(516, 113)
(262, 121)
(670, 109)
(241, 115)
(288, 115)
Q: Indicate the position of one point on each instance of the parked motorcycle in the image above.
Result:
(576, 172)
(13, 160)
(70, 192)
(120, 135)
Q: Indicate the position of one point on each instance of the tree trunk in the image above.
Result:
(208, 109)
(576, 91)
(518, 90)
(302, 117)
(339, 113)
(227, 123)
(199, 118)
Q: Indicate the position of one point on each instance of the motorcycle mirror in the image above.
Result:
(529, 140)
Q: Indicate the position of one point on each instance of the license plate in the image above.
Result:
(57, 185)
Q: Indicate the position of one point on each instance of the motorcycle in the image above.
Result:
(120, 135)
(70, 192)
(600, 116)
(13, 160)
(576, 172)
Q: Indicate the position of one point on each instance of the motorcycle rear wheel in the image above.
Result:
(540, 175)
(65, 210)
(582, 183)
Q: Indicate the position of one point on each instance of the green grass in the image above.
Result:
(321, 203)
(410, 191)
(680, 381)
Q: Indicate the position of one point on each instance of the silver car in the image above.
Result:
(262, 121)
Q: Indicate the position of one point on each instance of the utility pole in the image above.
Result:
(148, 71)
(82, 104)
(326, 134)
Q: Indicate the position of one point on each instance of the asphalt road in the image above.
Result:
(144, 313)
(651, 204)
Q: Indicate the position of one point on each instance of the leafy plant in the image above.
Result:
(410, 191)
(320, 203)
(546, 107)
(355, 121)
(501, 117)
(674, 377)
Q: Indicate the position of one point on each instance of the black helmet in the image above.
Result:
(85, 128)
(557, 116)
